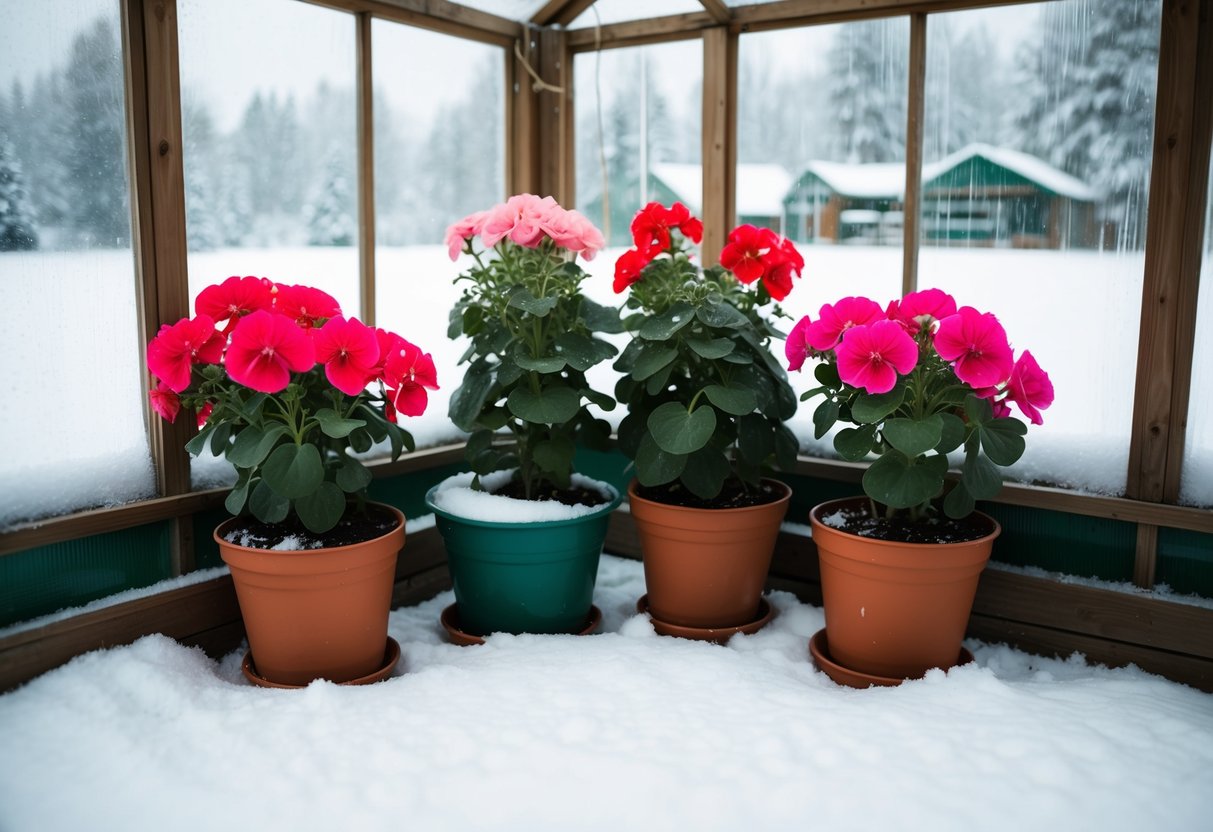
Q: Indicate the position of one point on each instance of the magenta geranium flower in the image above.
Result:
(835, 319)
(204, 413)
(172, 353)
(349, 351)
(1030, 388)
(234, 298)
(165, 401)
(796, 348)
(266, 348)
(407, 373)
(919, 309)
(977, 345)
(305, 305)
(871, 356)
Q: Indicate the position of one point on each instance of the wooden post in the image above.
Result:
(912, 205)
(366, 170)
(719, 139)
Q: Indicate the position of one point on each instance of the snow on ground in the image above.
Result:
(624, 729)
(1077, 311)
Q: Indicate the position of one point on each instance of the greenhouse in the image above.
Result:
(716, 414)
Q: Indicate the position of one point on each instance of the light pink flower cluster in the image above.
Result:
(527, 220)
(273, 330)
(873, 347)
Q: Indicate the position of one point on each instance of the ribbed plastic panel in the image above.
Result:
(1185, 561)
(1059, 542)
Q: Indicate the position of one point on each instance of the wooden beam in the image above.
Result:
(560, 12)
(366, 170)
(554, 106)
(1172, 260)
(912, 207)
(791, 13)
(1145, 555)
(435, 15)
(640, 32)
(522, 116)
(718, 10)
(719, 140)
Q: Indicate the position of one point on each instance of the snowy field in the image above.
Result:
(620, 730)
(1077, 311)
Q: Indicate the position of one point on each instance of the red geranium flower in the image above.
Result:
(349, 352)
(234, 298)
(266, 348)
(407, 373)
(172, 353)
(743, 254)
(165, 402)
(306, 306)
(628, 268)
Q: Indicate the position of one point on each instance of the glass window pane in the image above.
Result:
(604, 12)
(1197, 486)
(1038, 131)
(439, 156)
(72, 429)
(823, 109)
(270, 150)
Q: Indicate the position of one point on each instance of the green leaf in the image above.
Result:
(978, 410)
(600, 318)
(198, 444)
(631, 353)
(980, 477)
(473, 319)
(953, 435)
(547, 364)
(581, 352)
(755, 439)
(550, 406)
(827, 375)
(267, 505)
(914, 436)
(521, 298)
(238, 496)
(321, 509)
(353, 476)
(787, 448)
(705, 472)
(869, 408)
(853, 444)
(959, 503)
(251, 409)
(678, 432)
(711, 348)
(469, 398)
(361, 440)
(655, 466)
(219, 439)
(601, 399)
(739, 357)
(454, 322)
(253, 445)
(738, 401)
(900, 482)
(293, 470)
(662, 327)
(555, 455)
(333, 425)
(652, 359)
(657, 382)
(1002, 440)
(721, 316)
(824, 418)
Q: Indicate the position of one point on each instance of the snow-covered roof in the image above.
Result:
(875, 180)
(760, 188)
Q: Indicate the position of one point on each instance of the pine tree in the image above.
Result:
(965, 90)
(331, 213)
(16, 221)
(867, 91)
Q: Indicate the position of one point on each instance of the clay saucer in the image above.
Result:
(391, 655)
(450, 622)
(819, 647)
(717, 634)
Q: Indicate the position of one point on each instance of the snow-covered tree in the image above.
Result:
(16, 221)
(965, 93)
(779, 110)
(866, 80)
(332, 212)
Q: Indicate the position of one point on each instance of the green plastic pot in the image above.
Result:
(523, 577)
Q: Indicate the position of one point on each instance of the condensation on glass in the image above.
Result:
(439, 156)
(72, 425)
(1197, 483)
(268, 116)
(1037, 148)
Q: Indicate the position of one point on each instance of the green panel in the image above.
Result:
(809, 491)
(608, 466)
(47, 579)
(1060, 542)
(978, 174)
(1185, 561)
(407, 491)
(206, 550)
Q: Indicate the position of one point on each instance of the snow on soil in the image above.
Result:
(455, 496)
(621, 730)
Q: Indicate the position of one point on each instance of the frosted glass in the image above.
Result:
(1197, 483)
(439, 155)
(72, 430)
(1037, 148)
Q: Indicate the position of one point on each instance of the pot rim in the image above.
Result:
(817, 526)
(222, 527)
(787, 496)
(606, 508)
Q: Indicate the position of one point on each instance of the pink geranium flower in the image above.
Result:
(305, 305)
(977, 345)
(172, 353)
(349, 351)
(266, 348)
(1030, 388)
(520, 218)
(407, 373)
(920, 309)
(835, 319)
(572, 231)
(796, 348)
(458, 233)
(234, 298)
(165, 401)
(871, 356)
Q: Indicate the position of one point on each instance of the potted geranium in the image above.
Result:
(706, 404)
(285, 387)
(916, 381)
(523, 531)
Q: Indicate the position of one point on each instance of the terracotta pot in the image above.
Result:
(706, 567)
(315, 613)
(896, 609)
